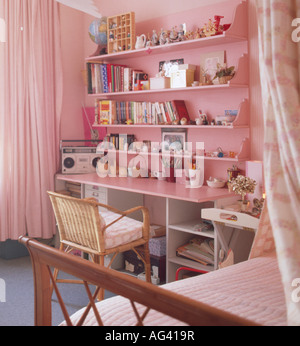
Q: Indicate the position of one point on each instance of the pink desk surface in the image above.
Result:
(151, 187)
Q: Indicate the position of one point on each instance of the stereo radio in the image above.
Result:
(77, 160)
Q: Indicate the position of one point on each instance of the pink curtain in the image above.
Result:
(280, 71)
(30, 99)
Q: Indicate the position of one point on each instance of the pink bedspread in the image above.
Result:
(250, 289)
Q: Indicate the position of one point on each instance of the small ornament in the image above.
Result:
(220, 152)
(181, 32)
(173, 35)
(154, 38)
(183, 121)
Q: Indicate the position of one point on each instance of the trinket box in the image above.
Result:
(160, 83)
(182, 78)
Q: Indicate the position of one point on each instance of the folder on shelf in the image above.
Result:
(199, 249)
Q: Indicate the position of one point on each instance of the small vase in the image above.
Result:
(171, 176)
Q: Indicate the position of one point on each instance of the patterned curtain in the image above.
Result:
(279, 70)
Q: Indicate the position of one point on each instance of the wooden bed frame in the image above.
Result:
(154, 297)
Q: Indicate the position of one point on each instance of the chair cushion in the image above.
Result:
(122, 232)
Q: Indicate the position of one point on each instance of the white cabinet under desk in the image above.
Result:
(182, 208)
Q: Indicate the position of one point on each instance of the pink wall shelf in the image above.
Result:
(210, 99)
(240, 122)
(240, 80)
(237, 32)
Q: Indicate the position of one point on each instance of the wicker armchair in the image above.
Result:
(82, 227)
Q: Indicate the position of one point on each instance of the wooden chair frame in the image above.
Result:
(81, 227)
(152, 297)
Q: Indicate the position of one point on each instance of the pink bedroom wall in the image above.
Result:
(156, 14)
(72, 40)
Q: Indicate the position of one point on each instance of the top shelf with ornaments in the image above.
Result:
(237, 32)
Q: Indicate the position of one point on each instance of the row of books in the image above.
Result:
(108, 112)
(119, 141)
(109, 78)
(199, 249)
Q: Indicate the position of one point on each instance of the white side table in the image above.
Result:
(224, 218)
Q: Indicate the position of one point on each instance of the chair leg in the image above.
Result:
(100, 260)
(147, 262)
(55, 271)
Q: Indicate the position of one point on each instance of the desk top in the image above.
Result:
(151, 187)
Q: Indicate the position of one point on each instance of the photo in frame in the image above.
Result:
(169, 66)
(208, 66)
(173, 139)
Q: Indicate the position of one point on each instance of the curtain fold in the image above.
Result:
(31, 100)
(279, 70)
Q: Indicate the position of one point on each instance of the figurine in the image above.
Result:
(220, 152)
(173, 35)
(218, 28)
(209, 28)
(203, 117)
(183, 121)
(198, 121)
(163, 37)
(111, 36)
(258, 206)
(181, 32)
(149, 42)
(154, 38)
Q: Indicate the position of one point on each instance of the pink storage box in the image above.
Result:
(157, 246)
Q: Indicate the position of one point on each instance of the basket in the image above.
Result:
(224, 79)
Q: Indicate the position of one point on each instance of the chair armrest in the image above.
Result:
(144, 210)
(108, 207)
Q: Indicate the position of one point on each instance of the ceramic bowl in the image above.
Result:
(215, 183)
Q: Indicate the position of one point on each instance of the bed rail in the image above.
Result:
(154, 297)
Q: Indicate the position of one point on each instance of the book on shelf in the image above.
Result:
(105, 112)
(120, 141)
(200, 249)
(180, 110)
(108, 112)
(73, 189)
(106, 78)
(127, 79)
(141, 81)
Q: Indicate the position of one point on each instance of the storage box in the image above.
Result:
(182, 78)
(136, 266)
(157, 246)
(186, 67)
(157, 231)
(160, 83)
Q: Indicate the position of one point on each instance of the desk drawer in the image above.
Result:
(97, 192)
(95, 188)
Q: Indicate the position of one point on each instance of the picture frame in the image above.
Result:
(209, 66)
(168, 66)
(173, 139)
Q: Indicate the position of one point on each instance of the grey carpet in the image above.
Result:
(18, 310)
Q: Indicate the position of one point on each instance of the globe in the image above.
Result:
(98, 31)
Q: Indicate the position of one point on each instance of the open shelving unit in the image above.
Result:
(181, 215)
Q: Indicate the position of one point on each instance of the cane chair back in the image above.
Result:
(82, 227)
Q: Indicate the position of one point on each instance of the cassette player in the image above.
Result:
(79, 159)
